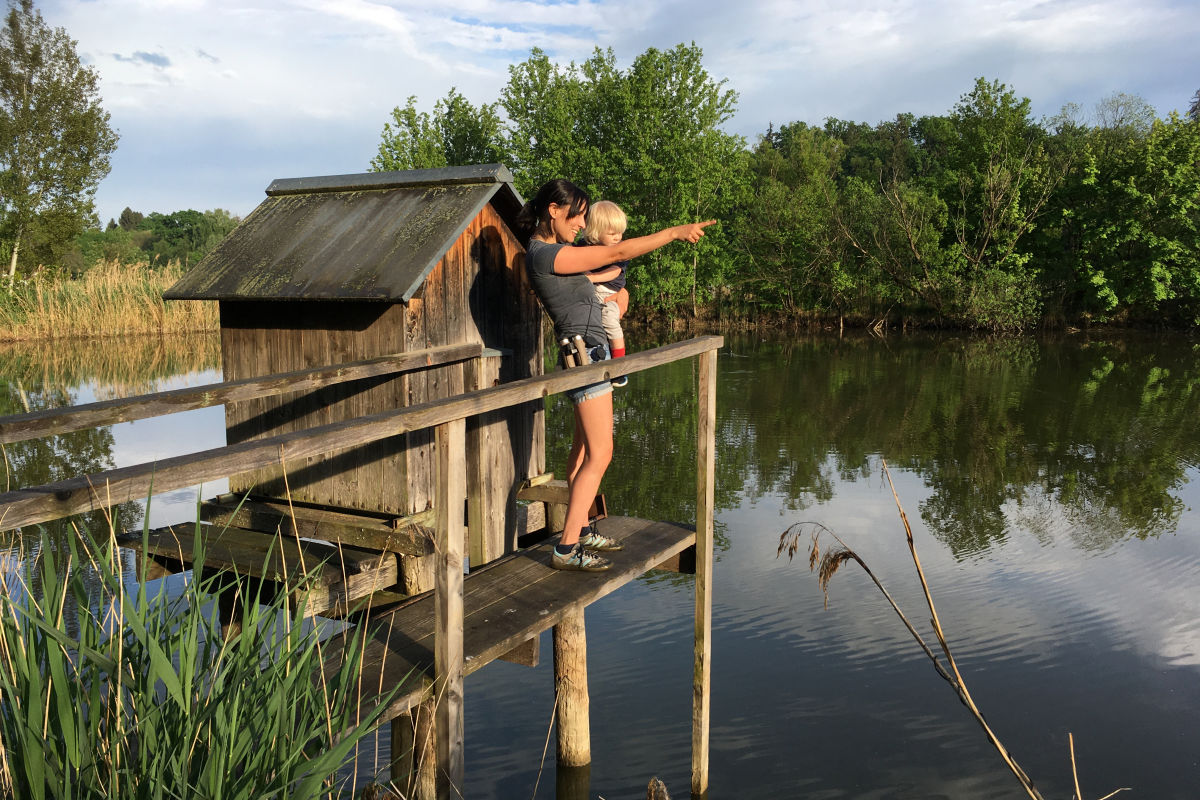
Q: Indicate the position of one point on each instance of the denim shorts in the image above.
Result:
(595, 353)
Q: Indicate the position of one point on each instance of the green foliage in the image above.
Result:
(456, 134)
(980, 218)
(787, 234)
(130, 219)
(648, 137)
(183, 237)
(55, 139)
(118, 695)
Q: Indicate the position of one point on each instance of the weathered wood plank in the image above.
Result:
(706, 453)
(342, 575)
(572, 706)
(51, 501)
(555, 492)
(450, 499)
(408, 535)
(505, 604)
(20, 427)
(527, 654)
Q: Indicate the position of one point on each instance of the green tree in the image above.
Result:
(996, 180)
(648, 138)
(130, 219)
(786, 235)
(55, 139)
(1194, 108)
(456, 134)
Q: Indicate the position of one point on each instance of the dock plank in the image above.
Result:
(505, 604)
(342, 575)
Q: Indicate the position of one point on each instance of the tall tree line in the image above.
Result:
(981, 217)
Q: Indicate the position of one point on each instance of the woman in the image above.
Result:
(551, 221)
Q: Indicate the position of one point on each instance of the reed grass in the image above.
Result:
(143, 696)
(826, 564)
(110, 299)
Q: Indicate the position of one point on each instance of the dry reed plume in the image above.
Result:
(110, 299)
(826, 565)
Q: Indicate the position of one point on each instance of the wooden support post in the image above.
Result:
(706, 449)
(451, 438)
(571, 691)
(413, 756)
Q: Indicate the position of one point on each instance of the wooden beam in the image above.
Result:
(706, 450)
(527, 654)
(572, 707)
(340, 576)
(413, 755)
(52, 501)
(19, 427)
(450, 499)
(683, 562)
(407, 535)
(557, 493)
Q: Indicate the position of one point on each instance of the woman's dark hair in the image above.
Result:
(535, 215)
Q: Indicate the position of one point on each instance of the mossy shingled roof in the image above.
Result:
(374, 236)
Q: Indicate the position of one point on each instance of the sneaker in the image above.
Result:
(579, 559)
(592, 540)
(620, 380)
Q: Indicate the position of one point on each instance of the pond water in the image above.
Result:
(1052, 490)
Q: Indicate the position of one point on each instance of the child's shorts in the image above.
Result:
(610, 314)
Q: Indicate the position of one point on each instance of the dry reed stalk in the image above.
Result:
(826, 566)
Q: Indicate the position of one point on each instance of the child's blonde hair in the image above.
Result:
(604, 216)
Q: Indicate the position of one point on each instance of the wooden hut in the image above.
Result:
(336, 269)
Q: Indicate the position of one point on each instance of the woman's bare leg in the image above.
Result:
(594, 443)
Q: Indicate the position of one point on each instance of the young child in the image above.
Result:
(606, 225)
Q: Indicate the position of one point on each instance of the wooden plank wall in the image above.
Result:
(477, 293)
(259, 338)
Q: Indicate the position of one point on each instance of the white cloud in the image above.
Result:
(275, 69)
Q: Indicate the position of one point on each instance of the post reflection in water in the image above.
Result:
(1051, 485)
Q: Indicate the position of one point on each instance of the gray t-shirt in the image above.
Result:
(570, 300)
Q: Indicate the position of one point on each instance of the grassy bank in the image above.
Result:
(110, 299)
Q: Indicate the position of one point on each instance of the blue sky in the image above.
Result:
(215, 99)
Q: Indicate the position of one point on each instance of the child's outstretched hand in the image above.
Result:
(693, 232)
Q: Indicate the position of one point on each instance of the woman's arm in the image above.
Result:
(573, 260)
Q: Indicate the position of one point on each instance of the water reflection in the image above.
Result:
(1050, 484)
(40, 377)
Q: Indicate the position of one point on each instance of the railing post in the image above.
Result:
(706, 449)
(451, 439)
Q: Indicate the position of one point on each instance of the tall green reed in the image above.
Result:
(111, 692)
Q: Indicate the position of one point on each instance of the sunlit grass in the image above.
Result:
(111, 299)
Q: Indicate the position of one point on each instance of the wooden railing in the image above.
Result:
(31, 505)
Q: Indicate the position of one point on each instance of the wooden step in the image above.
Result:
(341, 576)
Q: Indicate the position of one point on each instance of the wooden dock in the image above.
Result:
(425, 642)
(505, 604)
